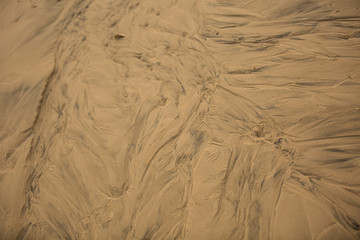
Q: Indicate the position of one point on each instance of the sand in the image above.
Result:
(187, 119)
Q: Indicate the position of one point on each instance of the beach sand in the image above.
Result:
(180, 119)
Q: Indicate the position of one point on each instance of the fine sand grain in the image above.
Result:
(180, 119)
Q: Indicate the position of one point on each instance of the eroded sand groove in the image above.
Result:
(179, 119)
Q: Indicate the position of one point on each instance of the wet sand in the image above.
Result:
(165, 119)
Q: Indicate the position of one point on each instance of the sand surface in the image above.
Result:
(180, 119)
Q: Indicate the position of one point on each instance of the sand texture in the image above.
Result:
(180, 119)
